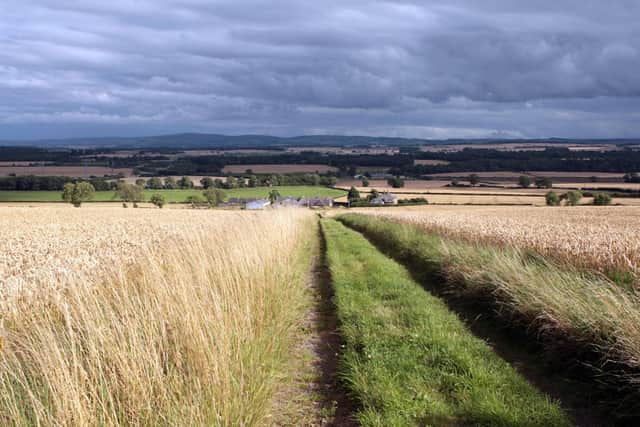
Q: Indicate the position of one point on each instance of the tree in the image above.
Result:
(253, 181)
(365, 182)
(158, 200)
(185, 182)
(214, 196)
(354, 195)
(374, 193)
(154, 183)
(274, 195)
(544, 182)
(573, 198)
(396, 182)
(170, 183)
(474, 179)
(231, 182)
(206, 182)
(129, 193)
(552, 199)
(141, 182)
(77, 193)
(524, 181)
(601, 199)
(194, 200)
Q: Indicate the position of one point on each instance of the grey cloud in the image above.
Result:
(430, 69)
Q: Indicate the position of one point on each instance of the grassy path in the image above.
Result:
(409, 360)
(315, 396)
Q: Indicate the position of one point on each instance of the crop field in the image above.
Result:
(177, 196)
(604, 238)
(354, 317)
(148, 317)
(279, 168)
(72, 171)
(519, 147)
(580, 316)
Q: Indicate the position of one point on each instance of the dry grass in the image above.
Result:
(147, 317)
(285, 168)
(605, 238)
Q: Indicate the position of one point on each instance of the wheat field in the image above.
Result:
(604, 238)
(147, 317)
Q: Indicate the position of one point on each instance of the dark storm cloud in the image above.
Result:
(423, 69)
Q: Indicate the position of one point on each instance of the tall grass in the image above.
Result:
(195, 331)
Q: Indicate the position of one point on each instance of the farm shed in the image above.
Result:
(316, 202)
(385, 199)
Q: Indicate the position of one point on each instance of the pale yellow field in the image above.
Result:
(472, 199)
(148, 317)
(581, 185)
(597, 237)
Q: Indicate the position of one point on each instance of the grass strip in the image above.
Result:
(178, 196)
(411, 361)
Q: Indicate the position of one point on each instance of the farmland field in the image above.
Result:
(597, 237)
(279, 168)
(176, 196)
(72, 171)
(148, 317)
(579, 315)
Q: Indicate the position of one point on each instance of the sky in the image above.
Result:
(423, 69)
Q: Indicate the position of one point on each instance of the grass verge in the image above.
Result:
(409, 360)
(577, 315)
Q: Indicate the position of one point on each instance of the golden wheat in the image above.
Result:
(146, 317)
(604, 238)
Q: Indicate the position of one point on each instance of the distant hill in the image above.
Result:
(203, 140)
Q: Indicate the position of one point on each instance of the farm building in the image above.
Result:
(288, 202)
(385, 199)
(257, 204)
(316, 202)
(305, 202)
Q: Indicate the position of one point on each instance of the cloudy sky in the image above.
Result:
(430, 69)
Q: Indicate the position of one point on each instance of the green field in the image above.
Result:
(177, 196)
(408, 360)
